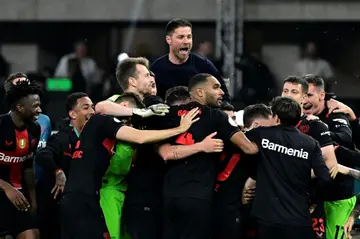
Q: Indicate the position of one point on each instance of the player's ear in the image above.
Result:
(322, 95)
(276, 119)
(199, 92)
(168, 39)
(20, 108)
(72, 114)
(132, 81)
(124, 103)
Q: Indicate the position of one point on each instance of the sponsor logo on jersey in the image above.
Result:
(300, 153)
(41, 144)
(341, 121)
(11, 159)
(22, 143)
(325, 133)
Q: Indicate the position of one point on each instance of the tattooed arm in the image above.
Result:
(349, 171)
(175, 152)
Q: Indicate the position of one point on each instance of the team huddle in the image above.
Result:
(142, 166)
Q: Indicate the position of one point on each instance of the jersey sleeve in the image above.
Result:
(49, 158)
(318, 165)
(320, 132)
(107, 125)
(340, 129)
(226, 126)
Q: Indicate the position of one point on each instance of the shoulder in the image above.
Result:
(34, 128)
(159, 62)
(198, 58)
(199, 61)
(62, 133)
(317, 124)
(339, 118)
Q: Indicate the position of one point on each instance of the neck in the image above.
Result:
(17, 120)
(320, 109)
(76, 125)
(175, 60)
(200, 101)
(134, 90)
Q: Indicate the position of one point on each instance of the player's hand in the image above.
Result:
(312, 117)
(348, 227)
(249, 195)
(188, 119)
(158, 110)
(17, 198)
(60, 181)
(342, 169)
(312, 208)
(211, 145)
(335, 106)
(334, 171)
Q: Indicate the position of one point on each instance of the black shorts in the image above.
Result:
(266, 231)
(82, 218)
(12, 221)
(187, 218)
(318, 221)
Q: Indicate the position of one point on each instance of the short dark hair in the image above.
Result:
(127, 68)
(253, 112)
(71, 100)
(287, 109)
(177, 94)
(226, 106)
(176, 23)
(198, 79)
(132, 98)
(150, 100)
(316, 80)
(299, 81)
(21, 90)
(8, 82)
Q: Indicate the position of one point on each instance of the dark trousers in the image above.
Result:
(48, 213)
(226, 222)
(82, 218)
(143, 222)
(187, 218)
(272, 231)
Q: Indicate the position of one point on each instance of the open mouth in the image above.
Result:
(184, 50)
(88, 117)
(35, 117)
(307, 106)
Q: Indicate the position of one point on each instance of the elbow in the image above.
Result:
(251, 149)
(99, 107)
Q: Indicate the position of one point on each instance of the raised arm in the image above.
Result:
(132, 135)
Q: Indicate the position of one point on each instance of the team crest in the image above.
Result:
(22, 143)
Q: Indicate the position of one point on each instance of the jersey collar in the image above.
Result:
(75, 130)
